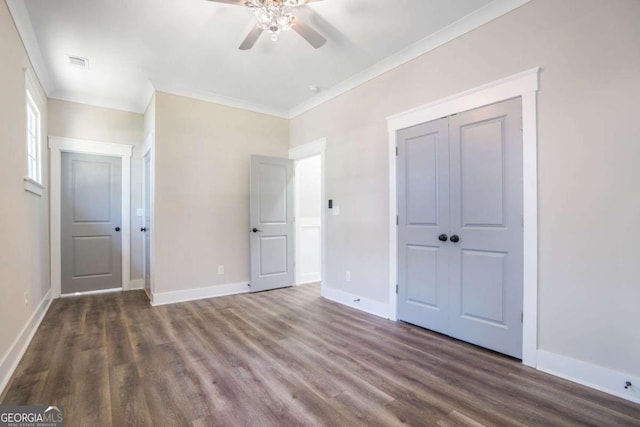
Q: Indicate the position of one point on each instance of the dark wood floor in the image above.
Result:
(280, 358)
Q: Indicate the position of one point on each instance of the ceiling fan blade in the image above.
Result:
(251, 38)
(309, 34)
(234, 2)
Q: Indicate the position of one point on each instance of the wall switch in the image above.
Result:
(221, 270)
(347, 276)
(140, 212)
(330, 204)
(336, 210)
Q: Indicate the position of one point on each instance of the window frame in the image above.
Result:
(34, 106)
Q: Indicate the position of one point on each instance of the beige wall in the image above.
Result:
(588, 149)
(202, 189)
(80, 121)
(24, 249)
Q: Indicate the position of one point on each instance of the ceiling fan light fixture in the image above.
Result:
(274, 16)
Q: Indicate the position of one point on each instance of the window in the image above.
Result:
(34, 162)
(36, 103)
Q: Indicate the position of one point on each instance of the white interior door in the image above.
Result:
(271, 223)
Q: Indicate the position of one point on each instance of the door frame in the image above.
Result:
(148, 148)
(311, 149)
(524, 85)
(59, 145)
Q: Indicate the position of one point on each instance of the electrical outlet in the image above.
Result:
(220, 270)
(347, 276)
(26, 299)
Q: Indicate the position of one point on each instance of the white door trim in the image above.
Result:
(314, 148)
(149, 148)
(523, 85)
(58, 145)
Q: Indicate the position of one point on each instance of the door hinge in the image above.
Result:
(396, 289)
(397, 220)
(521, 317)
(396, 150)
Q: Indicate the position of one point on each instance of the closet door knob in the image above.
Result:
(442, 237)
(455, 238)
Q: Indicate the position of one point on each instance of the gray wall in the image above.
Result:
(24, 217)
(80, 121)
(589, 236)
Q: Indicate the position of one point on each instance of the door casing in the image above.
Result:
(57, 145)
(524, 85)
(148, 150)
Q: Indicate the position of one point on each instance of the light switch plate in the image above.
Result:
(140, 212)
(221, 270)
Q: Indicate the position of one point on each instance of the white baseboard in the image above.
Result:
(11, 359)
(87, 293)
(162, 298)
(370, 306)
(309, 278)
(136, 284)
(590, 375)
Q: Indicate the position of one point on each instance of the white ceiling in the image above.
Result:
(190, 47)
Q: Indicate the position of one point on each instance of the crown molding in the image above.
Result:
(95, 101)
(22, 21)
(482, 16)
(474, 20)
(225, 100)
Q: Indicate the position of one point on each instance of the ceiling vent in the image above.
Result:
(78, 62)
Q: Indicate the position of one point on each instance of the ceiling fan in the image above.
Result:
(276, 16)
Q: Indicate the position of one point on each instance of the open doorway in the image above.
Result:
(308, 214)
(310, 211)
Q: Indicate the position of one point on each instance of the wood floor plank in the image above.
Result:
(128, 403)
(458, 419)
(90, 398)
(24, 388)
(286, 357)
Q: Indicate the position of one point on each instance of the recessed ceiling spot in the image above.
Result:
(78, 62)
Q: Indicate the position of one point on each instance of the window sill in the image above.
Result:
(33, 187)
